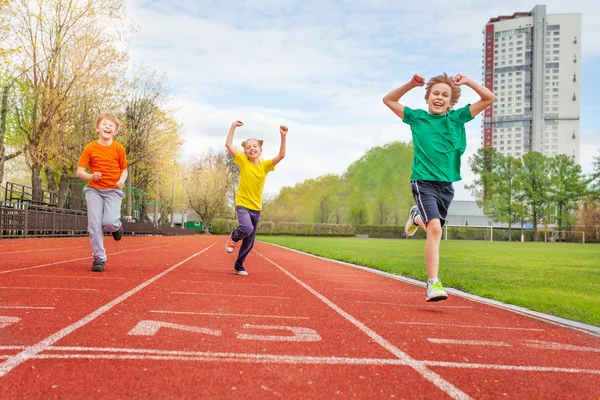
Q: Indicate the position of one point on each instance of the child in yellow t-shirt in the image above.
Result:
(104, 192)
(248, 198)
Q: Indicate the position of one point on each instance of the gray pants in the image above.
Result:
(104, 213)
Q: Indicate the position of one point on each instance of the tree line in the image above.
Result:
(62, 62)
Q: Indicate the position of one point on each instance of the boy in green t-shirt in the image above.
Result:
(439, 140)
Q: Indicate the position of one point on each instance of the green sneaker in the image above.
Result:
(411, 227)
(435, 292)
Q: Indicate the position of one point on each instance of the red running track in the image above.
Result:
(169, 319)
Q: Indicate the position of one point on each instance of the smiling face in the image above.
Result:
(440, 97)
(252, 149)
(106, 129)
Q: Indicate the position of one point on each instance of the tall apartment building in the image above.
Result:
(531, 61)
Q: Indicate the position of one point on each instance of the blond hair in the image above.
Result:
(260, 142)
(109, 116)
(448, 81)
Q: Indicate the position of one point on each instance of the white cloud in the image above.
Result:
(322, 67)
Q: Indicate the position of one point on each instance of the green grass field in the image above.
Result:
(561, 279)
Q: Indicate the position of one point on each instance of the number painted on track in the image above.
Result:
(6, 321)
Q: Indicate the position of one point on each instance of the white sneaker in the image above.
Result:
(435, 292)
(411, 227)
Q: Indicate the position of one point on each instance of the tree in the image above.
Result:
(568, 186)
(484, 164)
(505, 204)
(207, 187)
(536, 187)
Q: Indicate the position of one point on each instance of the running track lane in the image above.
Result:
(169, 319)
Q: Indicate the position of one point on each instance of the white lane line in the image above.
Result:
(380, 291)
(31, 251)
(6, 321)
(538, 344)
(418, 366)
(45, 344)
(47, 288)
(230, 283)
(28, 307)
(470, 326)
(225, 314)
(103, 277)
(468, 342)
(78, 259)
(360, 282)
(232, 295)
(510, 367)
(437, 305)
(179, 355)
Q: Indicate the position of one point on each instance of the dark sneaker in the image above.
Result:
(230, 245)
(411, 226)
(98, 266)
(118, 234)
(436, 292)
(240, 271)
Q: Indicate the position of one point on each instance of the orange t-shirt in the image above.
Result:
(108, 160)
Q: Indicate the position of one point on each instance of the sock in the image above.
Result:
(432, 280)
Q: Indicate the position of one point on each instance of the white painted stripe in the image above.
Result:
(78, 259)
(32, 251)
(45, 344)
(538, 344)
(237, 282)
(97, 276)
(226, 314)
(437, 305)
(379, 291)
(468, 342)
(28, 307)
(425, 372)
(300, 334)
(6, 321)
(470, 326)
(231, 295)
(510, 367)
(180, 355)
(47, 288)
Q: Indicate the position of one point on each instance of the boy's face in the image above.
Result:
(106, 129)
(252, 149)
(439, 98)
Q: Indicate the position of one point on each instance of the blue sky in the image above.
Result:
(322, 66)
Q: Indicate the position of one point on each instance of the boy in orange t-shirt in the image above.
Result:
(104, 192)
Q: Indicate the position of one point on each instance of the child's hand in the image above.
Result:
(418, 80)
(459, 79)
(283, 130)
(237, 123)
(120, 185)
(96, 176)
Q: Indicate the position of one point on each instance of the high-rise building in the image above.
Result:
(531, 61)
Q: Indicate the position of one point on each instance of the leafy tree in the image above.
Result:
(567, 188)
(505, 205)
(536, 187)
(484, 164)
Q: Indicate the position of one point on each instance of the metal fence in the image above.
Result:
(29, 220)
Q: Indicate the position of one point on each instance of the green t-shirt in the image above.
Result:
(438, 141)
(252, 181)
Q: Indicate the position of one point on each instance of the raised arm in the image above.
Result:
(486, 96)
(229, 141)
(283, 130)
(391, 99)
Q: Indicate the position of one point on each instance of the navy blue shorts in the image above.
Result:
(433, 199)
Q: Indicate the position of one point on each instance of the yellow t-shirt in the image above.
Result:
(252, 181)
(110, 160)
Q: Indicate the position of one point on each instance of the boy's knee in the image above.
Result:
(434, 228)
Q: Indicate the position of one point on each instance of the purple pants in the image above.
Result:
(245, 231)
